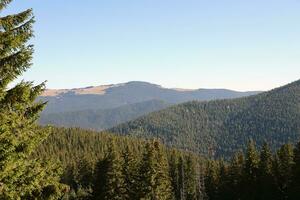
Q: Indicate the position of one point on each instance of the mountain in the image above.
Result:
(102, 119)
(218, 128)
(103, 107)
(113, 96)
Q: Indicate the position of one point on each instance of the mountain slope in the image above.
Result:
(113, 96)
(102, 119)
(218, 128)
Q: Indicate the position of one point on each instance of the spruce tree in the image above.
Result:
(212, 180)
(154, 181)
(181, 179)
(201, 195)
(235, 173)
(174, 174)
(265, 176)
(84, 175)
(285, 165)
(163, 185)
(109, 180)
(295, 194)
(129, 172)
(100, 179)
(190, 179)
(250, 172)
(224, 181)
(21, 177)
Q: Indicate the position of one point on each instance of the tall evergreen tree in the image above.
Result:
(284, 170)
(250, 172)
(109, 180)
(20, 176)
(295, 194)
(174, 174)
(212, 180)
(181, 179)
(190, 179)
(201, 195)
(84, 175)
(100, 179)
(224, 180)
(265, 176)
(154, 181)
(129, 172)
(235, 174)
(163, 185)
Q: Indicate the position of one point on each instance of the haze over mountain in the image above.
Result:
(112, 96)
(102, 119)
(103, 107)
(220, 127)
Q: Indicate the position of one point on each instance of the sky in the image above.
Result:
(234, 44)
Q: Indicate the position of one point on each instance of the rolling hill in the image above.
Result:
(219, 128)
(102, 107)
(113, 96)
(102, 119)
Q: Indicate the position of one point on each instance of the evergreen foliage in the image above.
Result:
(144, 169)
(222, 127)
(129, 172)
(249, 176)
(111, 182)
(154, 180)
(21, 177)
(101, 119)
(109, 167)
(106, 166)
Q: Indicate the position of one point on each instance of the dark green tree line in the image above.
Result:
(106, 166)
(256, 175)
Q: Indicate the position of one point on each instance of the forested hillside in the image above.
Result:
(105, 166)
(102, 119)
(214, 150)
(104, 107)
(218, 128)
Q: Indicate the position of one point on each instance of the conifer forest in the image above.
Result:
(173, 145)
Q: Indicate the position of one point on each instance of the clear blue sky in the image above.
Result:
(242, 45)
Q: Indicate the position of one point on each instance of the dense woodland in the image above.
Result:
(102, 119)
(219, 128)
(105, 166)
(145, 169)
(256, 174)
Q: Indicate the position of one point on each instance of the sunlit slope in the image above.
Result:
(113, 96)
(217, 128)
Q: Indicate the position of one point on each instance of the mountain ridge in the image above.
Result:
(220, 127)
(100, 89)
(112, 96)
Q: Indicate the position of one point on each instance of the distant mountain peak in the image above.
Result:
(95, 90)
(100, 90)
(132, 85)
(142, 83)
